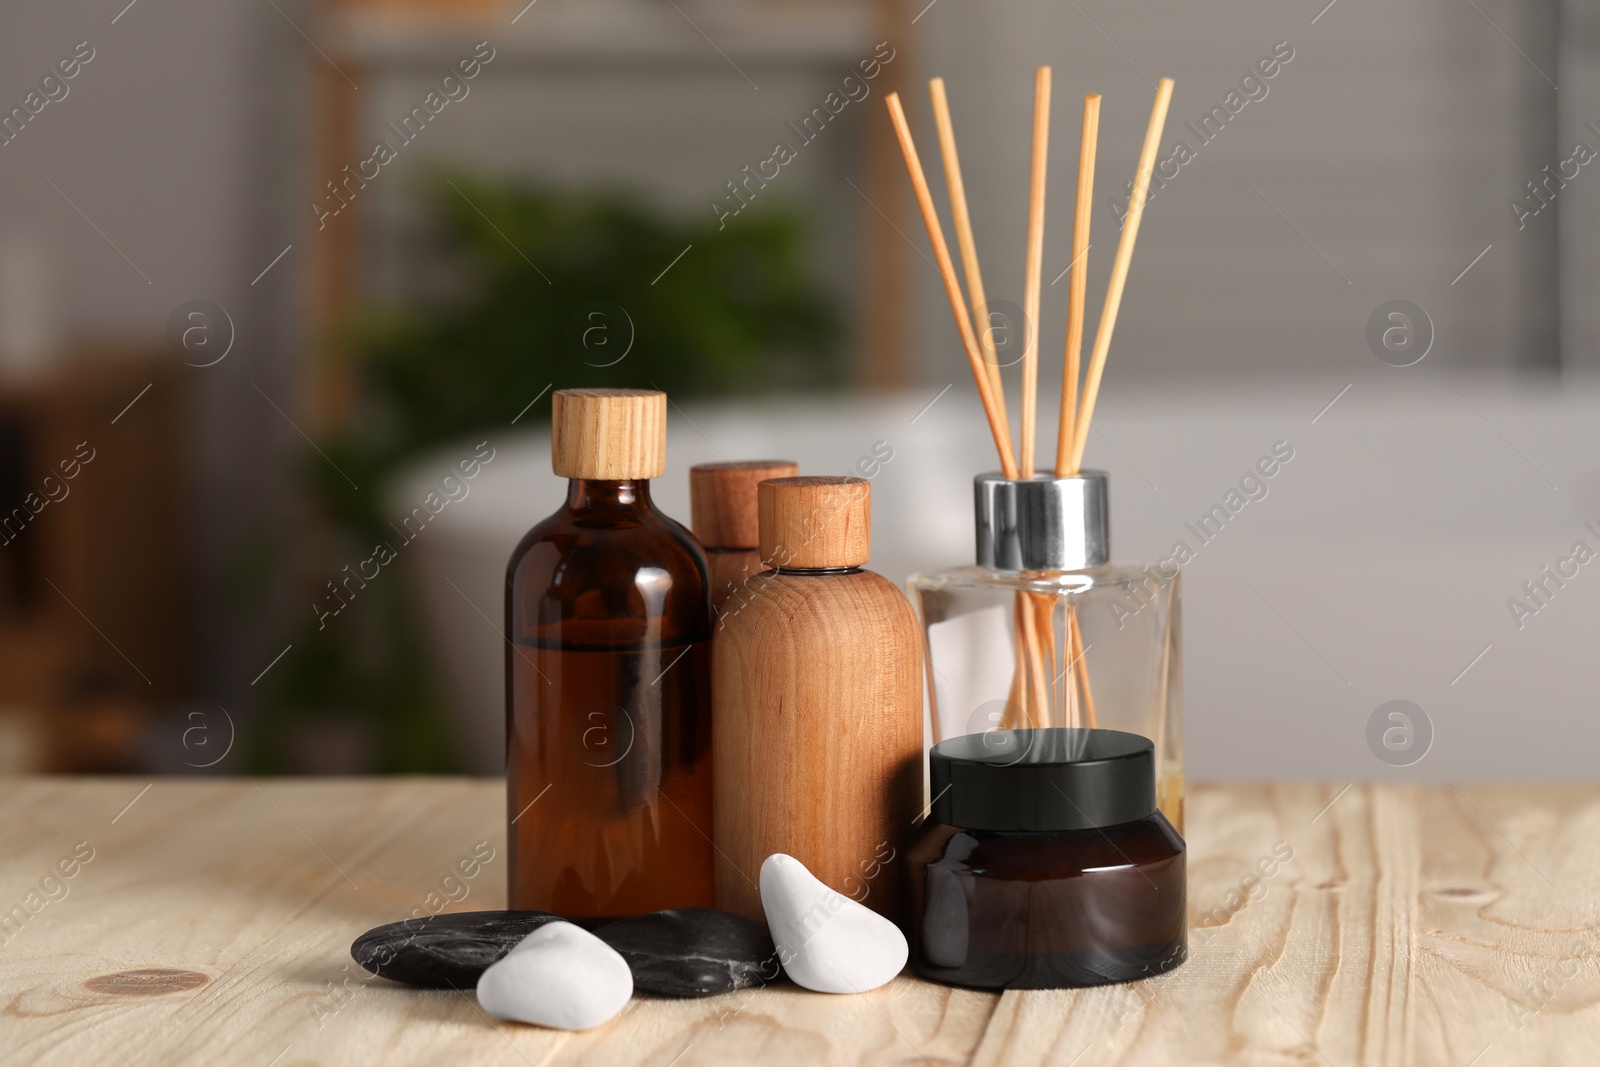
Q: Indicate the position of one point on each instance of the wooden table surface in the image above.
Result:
(209, 922)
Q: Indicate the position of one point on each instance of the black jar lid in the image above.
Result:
(1053, 778)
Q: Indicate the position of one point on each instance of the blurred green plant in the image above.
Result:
(555, 290)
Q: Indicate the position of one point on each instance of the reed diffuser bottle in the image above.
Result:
(1044, 631)
(608, 761)
(818, 702)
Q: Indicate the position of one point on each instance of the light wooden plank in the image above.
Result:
(1394, 925)
(1406, 929)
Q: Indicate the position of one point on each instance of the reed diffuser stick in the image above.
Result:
(1119, 268)
(1060, 711)
(952, 287)
(1034, 265)
(964, 240)
(1015, 717)
(1077, 286)
(1044, 608)
(1036, 628)
(1080, 669)
(1038, 682)
(1078, 695)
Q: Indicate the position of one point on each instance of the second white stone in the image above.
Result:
(827, 942)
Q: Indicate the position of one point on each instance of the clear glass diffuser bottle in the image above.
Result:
(1045, 631)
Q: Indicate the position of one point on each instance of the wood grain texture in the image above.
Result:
(726, 518)
(1410, 925)
(815, 521)
(729, 567)
(722, 500)
(816, 735)
(609, 434)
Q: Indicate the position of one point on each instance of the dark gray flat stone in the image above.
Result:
(445, 951)
(692, 952)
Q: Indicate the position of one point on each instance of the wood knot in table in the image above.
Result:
(147, 981)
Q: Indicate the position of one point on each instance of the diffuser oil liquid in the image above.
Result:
(1087, 648)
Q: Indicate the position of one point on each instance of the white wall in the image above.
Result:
(1378, 563)
(170, 141)
(1391, 141)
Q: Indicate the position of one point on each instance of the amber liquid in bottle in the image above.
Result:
(608, 717)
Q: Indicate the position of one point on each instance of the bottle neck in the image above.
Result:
(585, 494)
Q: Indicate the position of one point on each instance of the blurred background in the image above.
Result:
(270, 269)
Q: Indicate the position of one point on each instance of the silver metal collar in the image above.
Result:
(1047, 524)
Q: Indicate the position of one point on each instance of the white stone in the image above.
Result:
(559, 976)
(827, 942)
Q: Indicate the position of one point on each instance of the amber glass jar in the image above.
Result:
(608, 723)
(1044, 863)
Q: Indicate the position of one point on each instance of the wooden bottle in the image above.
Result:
(722, 510)
(816, 706)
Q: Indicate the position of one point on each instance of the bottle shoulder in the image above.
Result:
(597, 579)
(569, 545)
(785, 597)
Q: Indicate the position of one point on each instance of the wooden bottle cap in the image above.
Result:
(722, 500)
(609, 435)
(815, 522)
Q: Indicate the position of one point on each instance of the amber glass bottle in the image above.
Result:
(608, 724)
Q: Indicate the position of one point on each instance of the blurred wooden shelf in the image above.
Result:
(365, 39)
(92, 595)
(1411, 925)
(599, 35)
